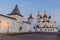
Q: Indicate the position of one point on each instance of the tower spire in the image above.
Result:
(45, 15)
(44, 11)
(38, 15)
(16, 11)
(30, 17)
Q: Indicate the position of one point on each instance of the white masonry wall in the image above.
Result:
(9, 24)
(51, 27)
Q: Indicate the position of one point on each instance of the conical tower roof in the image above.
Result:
(16, 11)
(30, 17)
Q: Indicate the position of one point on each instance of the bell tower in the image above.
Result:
(16, 14)
(30, 19)
(39, 17)
(45, 17)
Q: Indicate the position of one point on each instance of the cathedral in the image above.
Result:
(13, 22)
(45, 24)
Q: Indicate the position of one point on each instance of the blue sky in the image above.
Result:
(33, 6)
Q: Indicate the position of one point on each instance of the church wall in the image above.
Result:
(7, 23)
(19, 21)
(13, 26)
(46, 30)
(4, 23)
(26, 27)
(19, 18)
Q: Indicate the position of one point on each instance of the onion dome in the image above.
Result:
(41, 17)
(39, 14)
(49, 16)
(30, 17)
(45, 15)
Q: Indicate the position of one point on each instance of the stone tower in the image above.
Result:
(16, 14)
(30, 19)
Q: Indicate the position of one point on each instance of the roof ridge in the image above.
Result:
(7, 16)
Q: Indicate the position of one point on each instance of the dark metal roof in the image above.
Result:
(30, 17)
(45, 15)
(7, 16)
(49, 17)
(26, 22)
(16, 11)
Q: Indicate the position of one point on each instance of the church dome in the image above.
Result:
(45, 15)
(38, 15)
(49, 16)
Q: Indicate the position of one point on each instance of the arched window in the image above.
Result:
(37, 26)
(45, 29)
(40, 29)
(20, 28)
(46, 25)
(52, 26)
(48, 29)
(34, 27)
(53, 29)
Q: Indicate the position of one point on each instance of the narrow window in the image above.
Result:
(48, 29)
(20, 28)
(40, 29)
(53, 29)
(45, 29)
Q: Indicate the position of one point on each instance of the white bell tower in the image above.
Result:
(39, 17)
